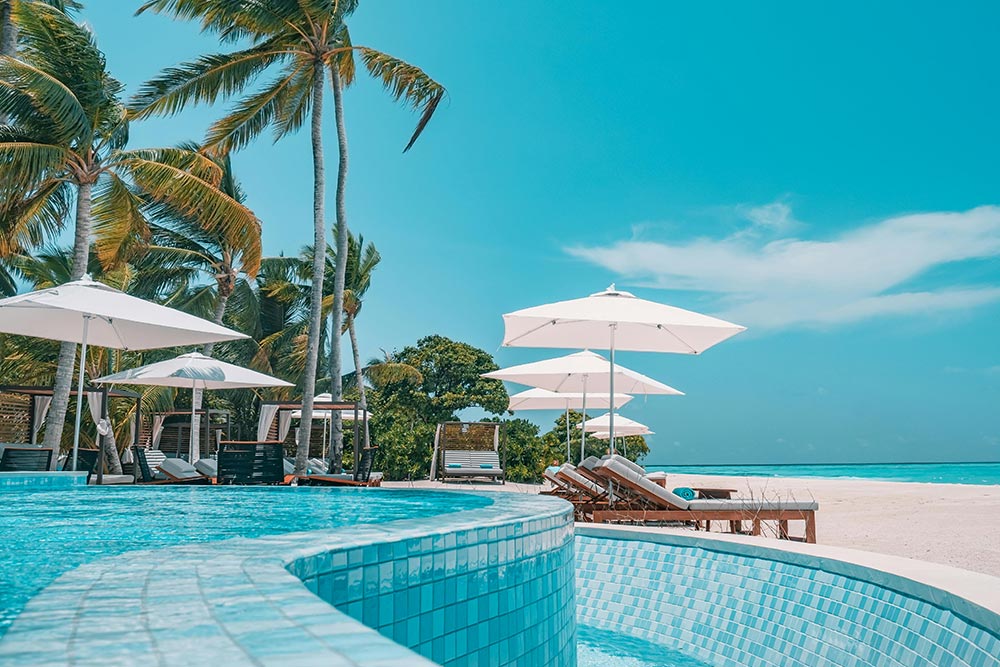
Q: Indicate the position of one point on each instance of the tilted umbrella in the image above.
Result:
(543, 399)
(582, 372)
(615, 320)
(194, 371)
(88, 312)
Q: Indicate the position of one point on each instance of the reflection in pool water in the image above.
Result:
(603, 648)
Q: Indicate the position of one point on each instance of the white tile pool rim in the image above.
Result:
(972, 595)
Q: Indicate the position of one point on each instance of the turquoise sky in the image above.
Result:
(826, 179)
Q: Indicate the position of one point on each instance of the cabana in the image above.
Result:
(465, 450)
(23, 409)
(275, 425)
(170, 431)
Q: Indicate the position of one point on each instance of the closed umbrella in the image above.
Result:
(194, 371)
(88, 312)
(543, 399)
(615, 319)
(582, 372)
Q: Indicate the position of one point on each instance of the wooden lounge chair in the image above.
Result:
(179, 471)
(655, 503)
(25, 459)
(149, 464)
(248, 462)
(469, 463)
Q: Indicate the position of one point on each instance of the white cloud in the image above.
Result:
(789, 281)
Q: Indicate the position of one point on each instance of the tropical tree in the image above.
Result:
(361, 261)
(304, 40)
(66, 141)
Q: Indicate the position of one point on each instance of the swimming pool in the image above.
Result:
(48, 532)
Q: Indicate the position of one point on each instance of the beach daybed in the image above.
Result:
(468, 463)
(652, 502)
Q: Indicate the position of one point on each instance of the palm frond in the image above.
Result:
(27, 90)
(407, 83)
(27, 220)
(120, 227)
(27, 164)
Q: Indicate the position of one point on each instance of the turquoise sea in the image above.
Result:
(938, 473)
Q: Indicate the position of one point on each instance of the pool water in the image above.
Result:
(48, 532)
(603, 648)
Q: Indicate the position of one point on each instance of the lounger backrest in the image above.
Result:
(634, 467)
(468, 458)
(25, 459)
(647, 489)
(318, 465)
(569, 473)
(207, 467)
(179, 469)
(551, 476)
(589, 463)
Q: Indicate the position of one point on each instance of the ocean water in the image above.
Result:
(935, 473)
(48, 532)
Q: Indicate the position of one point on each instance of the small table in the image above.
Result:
(718, 494)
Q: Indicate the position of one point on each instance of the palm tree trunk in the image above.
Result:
(339, 274)
(362, 398)
(220, 311)
(8, 30)
(319, 264)
(67, 351)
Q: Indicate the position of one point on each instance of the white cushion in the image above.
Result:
(207, 467)
(651, 488)
(179, 469)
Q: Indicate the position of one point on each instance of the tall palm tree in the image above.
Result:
(66, 140)
(304, 40)
(361, 261)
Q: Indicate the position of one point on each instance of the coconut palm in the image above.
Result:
(66, 141)
(361, 261)
(304, 40)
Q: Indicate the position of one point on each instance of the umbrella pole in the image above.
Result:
(583, 424)
(79, 389)
(611, 412)
(194, 427)
(569, 453)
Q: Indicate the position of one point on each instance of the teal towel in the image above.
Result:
(454, 465)
(684, 492)
(486, 465)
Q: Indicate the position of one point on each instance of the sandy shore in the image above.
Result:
(954, 524)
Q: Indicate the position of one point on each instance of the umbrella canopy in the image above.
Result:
(113, 319)
(543, 399)
(194, 371)
(607, 436)
(615, 319)
(579, 372)
(86, 311)
(623, 425)
(345, 415)
(639, 325)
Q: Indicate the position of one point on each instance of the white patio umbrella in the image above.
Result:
(582, 372)
(543, 399)
(194, 371)
(623, 425)
(615, 319)
(88, 312)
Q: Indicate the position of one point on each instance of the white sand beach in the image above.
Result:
(953, 524)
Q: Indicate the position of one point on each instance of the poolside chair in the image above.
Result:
(179, 471)
(149, 464)
(207, 467)
(469, 463)
(655, 503)
(25, 459)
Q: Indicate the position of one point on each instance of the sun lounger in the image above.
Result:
(592, 491)
(655, 503)
(25, 459)
(467, 463)
(318, 466)
(207, 467)
(179, 470)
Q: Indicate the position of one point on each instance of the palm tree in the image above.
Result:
(66, 139)
(304, 40)
(361, 262)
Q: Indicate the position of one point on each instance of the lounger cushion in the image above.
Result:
(288, 467)
(634, 467)
(113, 479)
(179, 469)
(318, 465)
(590, 462)
(669, 499)
(751, 505)
(207, 467)
(568, 471)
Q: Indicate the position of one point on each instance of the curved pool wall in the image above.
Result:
(734, 602)
(491, 586)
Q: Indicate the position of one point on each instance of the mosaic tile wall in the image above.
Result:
(46, 480)
(483, 597)
(736, 610)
